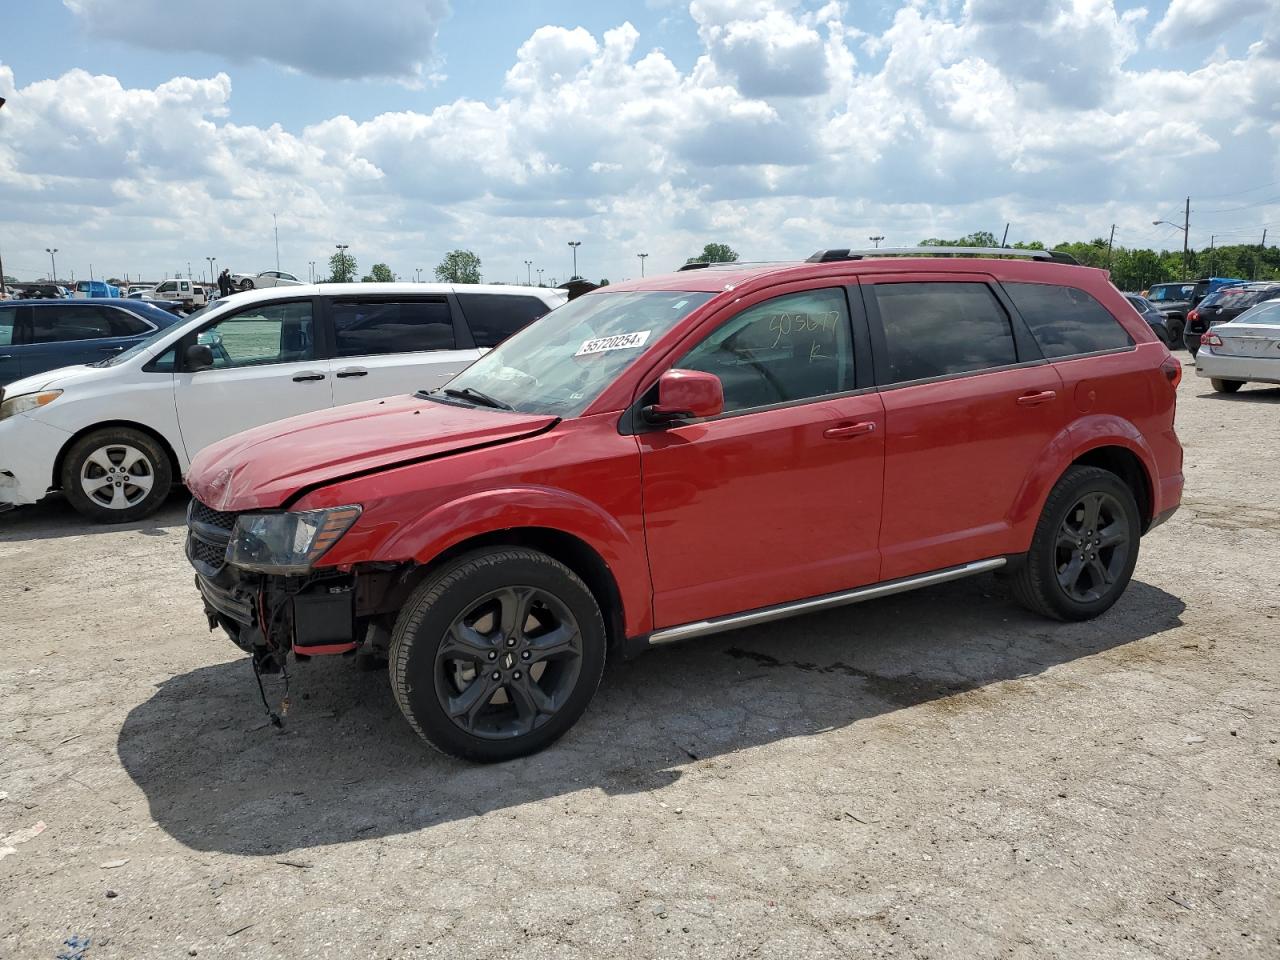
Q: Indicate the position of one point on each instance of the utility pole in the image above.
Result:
(1186, 232)
(275, 226)
(4, 291)
(1110, 240)
(1262, 252)
(642, 259)
(1004, 241)
(1212, 254)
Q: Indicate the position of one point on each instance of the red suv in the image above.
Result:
(691, 453)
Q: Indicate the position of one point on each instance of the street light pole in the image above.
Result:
(53, 264)
(528, 266)
(276, 227)
(540, 276)
(876, 240)
(575, 244)
(342, 260)
(642, 257)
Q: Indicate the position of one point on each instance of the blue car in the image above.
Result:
(40, 335)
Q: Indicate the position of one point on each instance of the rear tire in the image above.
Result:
(1084, 548)
(1225, 386)
(1176, 329)
(116, 475)
(497, 654)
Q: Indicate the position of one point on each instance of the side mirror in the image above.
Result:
(198, 357)
(686, 394)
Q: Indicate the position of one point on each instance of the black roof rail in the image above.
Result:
(837, 254)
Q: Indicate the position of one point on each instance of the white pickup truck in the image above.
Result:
(190, 293)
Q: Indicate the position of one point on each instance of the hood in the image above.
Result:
(266, 466)
(59, 379)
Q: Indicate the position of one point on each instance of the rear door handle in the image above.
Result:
(1035, 399)
(309, 375)
(850, 430)
(352, 372)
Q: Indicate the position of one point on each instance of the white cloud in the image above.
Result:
(1188, 21)
(327, 38)
(947, 120)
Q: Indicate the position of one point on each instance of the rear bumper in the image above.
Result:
(1219, 367)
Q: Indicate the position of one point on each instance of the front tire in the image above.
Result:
(1084, 548)
(116, 475)
(1225, 386)
(497, 655)
(246, 284)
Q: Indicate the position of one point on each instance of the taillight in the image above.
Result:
(1210, 340)
(1193, 316)
(1173, 370)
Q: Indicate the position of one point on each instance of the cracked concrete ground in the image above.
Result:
(937, 774)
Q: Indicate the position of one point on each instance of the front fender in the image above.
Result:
(1090, 432)
(492, 511)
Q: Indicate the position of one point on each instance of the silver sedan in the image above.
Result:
(1244, 350)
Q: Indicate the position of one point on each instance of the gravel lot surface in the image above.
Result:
(931, 775)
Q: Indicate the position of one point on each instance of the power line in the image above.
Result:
(1236, 193)
(1247, 206)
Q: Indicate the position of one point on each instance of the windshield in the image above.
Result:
(1170, 291)
(562, 362)
(1268, 312)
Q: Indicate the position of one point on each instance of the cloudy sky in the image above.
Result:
(141, 135)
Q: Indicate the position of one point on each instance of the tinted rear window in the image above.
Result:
(936, 329)
(364, 328)
(494, 316)
(89, 322)
(1066, 321)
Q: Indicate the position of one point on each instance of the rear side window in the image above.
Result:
(493, 317)
(940, 329)
(364, 328)
(1066, 321)
(7, 316)
(55, 324)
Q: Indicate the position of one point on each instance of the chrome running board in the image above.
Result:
(736, 621)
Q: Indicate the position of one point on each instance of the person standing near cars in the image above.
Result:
(224, 283)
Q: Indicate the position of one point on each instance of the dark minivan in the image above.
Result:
(40, 335)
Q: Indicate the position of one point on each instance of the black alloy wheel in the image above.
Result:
(1084, 548)
(508, 663)
(497, 653)
(1092, 547)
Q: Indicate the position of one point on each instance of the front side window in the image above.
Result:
(936, 329)
(363, 328)
(8, 316)
(493, 317)
(55, 324)
(274, 333)
(792, 347)
(1066, 321)
(562, 362)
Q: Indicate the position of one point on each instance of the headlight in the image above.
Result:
(287, 543)
(27, 401)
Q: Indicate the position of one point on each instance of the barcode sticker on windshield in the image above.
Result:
(621, 341)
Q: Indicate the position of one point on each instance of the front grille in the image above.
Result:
(208, 532)
(199, 513)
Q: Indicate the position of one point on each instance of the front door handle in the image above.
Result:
(352, 372)
(1035, 399)
(850, 430)
(307, 376)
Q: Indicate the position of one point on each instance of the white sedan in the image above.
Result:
(268, 278)
(1244, 350)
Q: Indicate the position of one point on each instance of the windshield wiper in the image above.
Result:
(475, 396)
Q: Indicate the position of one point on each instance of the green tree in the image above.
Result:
(604, 282)
(979, 238)
(459, 266)
(715, 253)
(379, 273)
(342, 267)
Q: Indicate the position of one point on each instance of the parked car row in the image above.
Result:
(1245, 348)
(1223, 306)
(141, 414)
